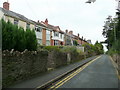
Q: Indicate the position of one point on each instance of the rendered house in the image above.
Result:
(42, 32)
(57, 36)
(46, 34)
(15, 18)
(68, 39)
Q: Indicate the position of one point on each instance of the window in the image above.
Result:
(47, 38)
(38, 32)
(28, 26)
(39, 41)
(47, 35)
(56, 34)
(38, 29)
(56, 42)
(15, 22)
(61, 35)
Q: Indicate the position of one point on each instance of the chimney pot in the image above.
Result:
(66, 31)
(71, 32)
(46, 21)
(38, 21)
(6, 5)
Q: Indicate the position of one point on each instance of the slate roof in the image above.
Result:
(54, 28)
(38, 23)
(15, 15)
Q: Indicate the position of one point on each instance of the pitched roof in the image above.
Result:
(15, 15)
(38, 23)
(54, 28)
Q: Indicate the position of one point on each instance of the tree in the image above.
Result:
(17, 38)
(112, 34)
(99, 48)
(31, 41)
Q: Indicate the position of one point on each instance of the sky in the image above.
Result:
(76, 15)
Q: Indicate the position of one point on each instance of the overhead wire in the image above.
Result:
(31, 9)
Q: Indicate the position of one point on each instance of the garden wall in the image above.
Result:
(56, 59)
(18, 66)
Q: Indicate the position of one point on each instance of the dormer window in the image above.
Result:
(15, 22)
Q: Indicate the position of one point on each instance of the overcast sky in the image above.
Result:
(76, 15)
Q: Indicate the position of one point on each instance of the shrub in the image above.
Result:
(17, 38)
(51, 48)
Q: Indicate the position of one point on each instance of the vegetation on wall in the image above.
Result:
(95, 49)
(17, 38)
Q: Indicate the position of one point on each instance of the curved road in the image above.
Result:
(99, 74)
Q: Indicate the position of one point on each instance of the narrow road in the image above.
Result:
(98, 74)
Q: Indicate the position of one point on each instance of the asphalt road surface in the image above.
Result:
(99, 74)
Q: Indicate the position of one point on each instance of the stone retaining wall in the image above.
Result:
(116, 58)
(18, 66)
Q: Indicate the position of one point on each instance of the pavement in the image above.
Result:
(99, 74)
(47, 76)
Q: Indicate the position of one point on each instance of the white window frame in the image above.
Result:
(47, 35)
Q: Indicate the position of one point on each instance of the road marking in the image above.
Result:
(115, 67)
(60, 83)
(68, 77)
(65, 80)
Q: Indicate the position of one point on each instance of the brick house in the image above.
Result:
(46, 34)
(57, 35)
(41, 31)
(42, 34)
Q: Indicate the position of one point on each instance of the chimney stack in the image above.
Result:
(46, 21)
(38, 21)
(66, 31)
(78, 35)
(6, 5)
(82, 37)
(71, 32)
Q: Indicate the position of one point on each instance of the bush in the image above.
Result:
(68, 49)
(17, 38)
(51, 48)
(95, 49)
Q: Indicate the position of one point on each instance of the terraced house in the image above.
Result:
(57, 35)
(42, 32)
(15, 18)
(46, 34)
